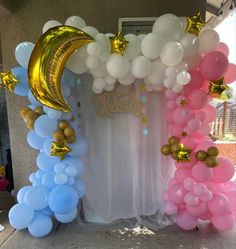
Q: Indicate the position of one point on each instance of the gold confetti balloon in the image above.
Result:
(47, 62)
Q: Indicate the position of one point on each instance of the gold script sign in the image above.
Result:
(120, 100)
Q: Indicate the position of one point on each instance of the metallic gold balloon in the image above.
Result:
(217, 88)
(201, 155)
(175, 147)
(47, 62)
(118, 43)
(211, 161)
(63, 124)
(213, 151)
(24, 111)
(58, 135)
(165, 149)
(194, 24)
(59, 149)
(69, 131)
(173, 140)
(71, 139)
(9, 81)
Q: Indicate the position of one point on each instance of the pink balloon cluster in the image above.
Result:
(197, 192)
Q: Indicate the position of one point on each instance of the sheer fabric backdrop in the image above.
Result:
(125, 172)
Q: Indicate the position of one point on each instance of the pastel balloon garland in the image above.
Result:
(179, 55)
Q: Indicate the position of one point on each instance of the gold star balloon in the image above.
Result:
(183, 154)
(184, 134)
(60, 149)
(9, 81)
(194, 24)
(218, 89)
(118, 43)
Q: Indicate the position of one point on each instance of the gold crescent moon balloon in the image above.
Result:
(47, 61)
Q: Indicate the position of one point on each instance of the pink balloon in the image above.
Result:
(181, 207)
(170, 208)
(204, 145)
(213, 65)
(189, 184)
(186, 221)
(201, 115)
(190, 142)
(215, 187)
(200, 189)
(230, 185)
(176, 130)
(201, 172)
(182, 115)
(230, 75)
(191, 199)
(194, 124)
(171, 182)
(198, 210)
(224, 171)
(169, 116)
(176, 193)
(232, 200)
(170, 94)
(219, 204)
(171, 104)
(223, 222)
(204, 130)
(181, 174)
(197, 99)
(165, 196)
(197, 80)
(223, 48)
(206, 216)
(207, 197)
(210, 112)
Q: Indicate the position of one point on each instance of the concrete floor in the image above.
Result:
(88, 236)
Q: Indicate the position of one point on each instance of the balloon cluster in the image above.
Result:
(56, 187)
(209, 156)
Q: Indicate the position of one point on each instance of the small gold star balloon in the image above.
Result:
(183, 154)
(118, 43)
(60, 149)
(9, 81)
(194, 24)
(217, 88)
(184, 134)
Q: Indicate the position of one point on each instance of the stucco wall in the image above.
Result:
(26, 23)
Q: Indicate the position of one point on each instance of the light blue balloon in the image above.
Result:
(74, 162)
(65, 91)
(71, 180)
(68, 78)
(67, 217)
(48, 180)
(45, 126)
(32, 107)
(59, 167)
(20, 216)
(61, 178)
(78, 148)
(22, 88)
(33, 100)
(39, 173)
(63, 199)
(80, 188)
(41, 225)
(67, 115)
(37, 198)
(35, 141)
(21, 194)
(32, 177)
(23, 52)
(46, 163)
(54, 114)
(47, 211)
(47, 146)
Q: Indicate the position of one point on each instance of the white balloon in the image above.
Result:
(152, 45)
(95, 90)
(110, 80)
(177, 88)
(182, 66)
(23, 52)
(109, 87)
(109, 34)
(94, 49)
(133, 48)
(104, 43)
(141, 36)
(127, 79)
(171, 72)
(90, 30)
(50, 24)
(183, 78)
(170, 24)
(92, 62)
(172, 53)
(82, 51)
(157, 74)
(75, 21)
(208, 41)
(76, 63)
(99, 83)
(169, 82)
(141, 67)
(100, 71)
(104, 56)
(117, 66)
(190, 44)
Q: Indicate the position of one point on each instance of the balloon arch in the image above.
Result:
(181, 56)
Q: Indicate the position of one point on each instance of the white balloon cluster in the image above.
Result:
(161, 58)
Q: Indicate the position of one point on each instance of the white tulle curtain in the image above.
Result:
(124, 170)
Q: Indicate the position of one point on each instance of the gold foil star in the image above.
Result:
(217, 88)
(184, 134)
(184, 154)
(9, 81)
(183, 102)
(59, 149)
(194, 24)
(118, 43)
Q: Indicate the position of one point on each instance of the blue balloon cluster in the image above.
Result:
(56, 187)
